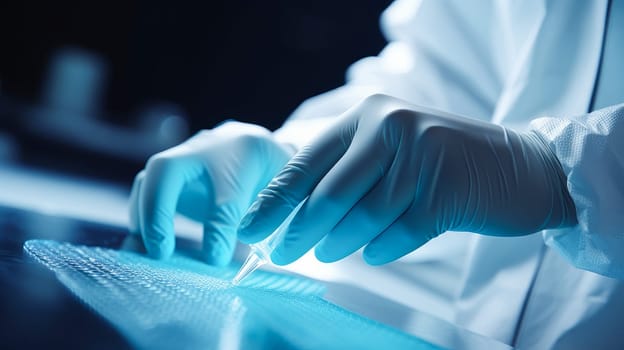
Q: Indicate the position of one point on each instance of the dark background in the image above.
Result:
(249, 60)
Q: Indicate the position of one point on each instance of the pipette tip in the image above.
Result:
(253, 262)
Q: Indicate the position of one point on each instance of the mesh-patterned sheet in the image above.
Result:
(185, 304)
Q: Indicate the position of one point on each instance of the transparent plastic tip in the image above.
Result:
(253, 262)
(260, 252)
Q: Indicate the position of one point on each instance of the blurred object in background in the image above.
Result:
(71, 108)
(70, 117)
(163, 122)
(8, 145)
(74, 85)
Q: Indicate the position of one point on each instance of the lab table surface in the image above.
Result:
(72, 286)
(150, 304)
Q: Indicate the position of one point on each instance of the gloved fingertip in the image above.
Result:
(250, 229)
(218, 243)
(280, 257)
(134, 243)
(373, 256)
(246, 226)
(157, 252)
(159, 249)
(218, 255)
(217, 259)
(322, 255)
(245, 231)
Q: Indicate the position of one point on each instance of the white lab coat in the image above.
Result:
(508, 62)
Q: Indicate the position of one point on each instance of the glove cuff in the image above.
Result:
(563, 213)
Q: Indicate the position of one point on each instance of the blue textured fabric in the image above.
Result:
(185, 304)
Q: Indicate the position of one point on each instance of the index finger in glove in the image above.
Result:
(291, 185)
(163, 182)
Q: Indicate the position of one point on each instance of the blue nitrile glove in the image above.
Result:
(212, 178)
(391, 176)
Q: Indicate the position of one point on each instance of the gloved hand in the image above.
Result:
(212, 178)
(392, 176)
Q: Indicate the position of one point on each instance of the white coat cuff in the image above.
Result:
(590, 149)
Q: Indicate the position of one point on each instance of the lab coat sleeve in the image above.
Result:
(590, 149)
(317, 114)
(453, 68)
